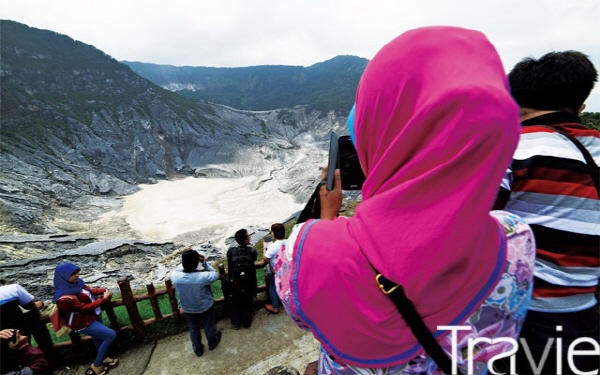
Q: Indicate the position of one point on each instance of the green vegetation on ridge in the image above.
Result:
(325, 86)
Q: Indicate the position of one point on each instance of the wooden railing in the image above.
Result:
(139, 326)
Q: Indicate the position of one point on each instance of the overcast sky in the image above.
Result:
(235, 33)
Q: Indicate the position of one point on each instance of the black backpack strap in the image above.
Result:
(242, 251)
(416, 324)
(589, 160)
(312, 209)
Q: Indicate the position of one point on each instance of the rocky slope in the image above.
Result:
(80, 129)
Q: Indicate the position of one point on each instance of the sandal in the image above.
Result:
(91, 371)
(110, 362)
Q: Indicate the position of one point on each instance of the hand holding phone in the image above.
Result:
(331, 200)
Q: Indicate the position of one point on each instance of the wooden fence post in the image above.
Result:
(112, 317)
(172, 299)
(139, 330)
(154, 301)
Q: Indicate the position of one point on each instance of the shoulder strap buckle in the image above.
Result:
(386, 286)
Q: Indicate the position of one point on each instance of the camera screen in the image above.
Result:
(351, 173)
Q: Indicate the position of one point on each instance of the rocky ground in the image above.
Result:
(143, 241)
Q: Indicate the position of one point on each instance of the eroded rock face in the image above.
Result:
(34, 184)
(102, 262)
(62, 203)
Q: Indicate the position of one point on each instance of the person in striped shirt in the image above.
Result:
(553, 185)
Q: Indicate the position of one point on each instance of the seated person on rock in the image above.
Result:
(19, 357)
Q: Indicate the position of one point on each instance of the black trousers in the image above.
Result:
(242, 309)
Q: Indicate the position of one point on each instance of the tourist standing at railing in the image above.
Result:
(13, 297)
(242, 279)
(79, 306)
(271, 251)
(192, 284)
(13, 300)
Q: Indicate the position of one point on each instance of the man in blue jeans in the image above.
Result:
(196, 299)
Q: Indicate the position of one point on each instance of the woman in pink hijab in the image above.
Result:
(435, 128)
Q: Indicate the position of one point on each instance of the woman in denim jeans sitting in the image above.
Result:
(79, 305)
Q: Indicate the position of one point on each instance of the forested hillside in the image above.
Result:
(329, 85)
(591, 119)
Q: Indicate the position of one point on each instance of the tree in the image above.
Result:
(591, 119)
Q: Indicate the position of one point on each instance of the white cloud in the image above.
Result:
(244, 33)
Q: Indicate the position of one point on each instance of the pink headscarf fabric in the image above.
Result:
(435, 130)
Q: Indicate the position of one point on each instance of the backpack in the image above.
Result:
(242, 271)
(59, 324)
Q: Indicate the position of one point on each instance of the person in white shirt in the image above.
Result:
(20, 310)
(271, 252)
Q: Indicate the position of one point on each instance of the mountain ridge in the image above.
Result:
(77, 124)
(327, 85)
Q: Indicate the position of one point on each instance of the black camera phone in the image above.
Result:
(14, 336)
(343, 156)
(332, 163)
(349, 165)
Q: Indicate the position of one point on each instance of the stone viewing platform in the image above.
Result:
(272, 340)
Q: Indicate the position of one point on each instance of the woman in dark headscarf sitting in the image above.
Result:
(79, 306)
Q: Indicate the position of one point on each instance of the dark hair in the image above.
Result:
(190, 260)
(241, 236)
(556, 81)
(278, 230)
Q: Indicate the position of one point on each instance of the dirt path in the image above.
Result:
(273, 340)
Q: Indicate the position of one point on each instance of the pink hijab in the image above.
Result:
(435, 129)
